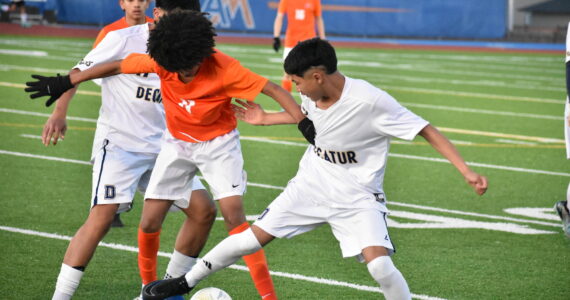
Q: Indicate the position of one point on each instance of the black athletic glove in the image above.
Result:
(276, 44)
(53, 86)
(307, 128)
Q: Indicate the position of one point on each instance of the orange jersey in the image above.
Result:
(201, 109)
(301, 16)
(119, 24)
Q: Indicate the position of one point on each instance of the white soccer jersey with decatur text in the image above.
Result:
(131, 114)
(346, 166)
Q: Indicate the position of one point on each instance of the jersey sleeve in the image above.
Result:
(109, 49)
(138, 63)
(282, 6)
(240, 82)
(392, 119)
(318, 11)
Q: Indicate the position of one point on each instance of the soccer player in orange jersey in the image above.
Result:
(198, 83)
(134, 15)
(302, 15)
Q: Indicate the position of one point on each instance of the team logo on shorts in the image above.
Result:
(110, 192)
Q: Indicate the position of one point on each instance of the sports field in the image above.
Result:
(502, 110)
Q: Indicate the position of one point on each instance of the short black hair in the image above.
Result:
(181, 40)
(311, 53)
(170, 5)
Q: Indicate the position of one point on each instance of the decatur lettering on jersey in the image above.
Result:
(149, 94)
(336, 157)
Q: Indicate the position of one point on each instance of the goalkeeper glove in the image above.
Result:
(307, 128)
(276, 44)
(53, 86)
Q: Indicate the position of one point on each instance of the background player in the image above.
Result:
(21, 6)
(127, 141)
(197, 84)
(563, 207)
(134, 15)
(340, 177)
(302, 15)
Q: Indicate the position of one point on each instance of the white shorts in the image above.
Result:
(117, 174)
(219, 160)
(291, 214)
(567, 128)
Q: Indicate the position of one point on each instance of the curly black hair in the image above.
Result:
(314, 52)
(170, 5)
(181, 40)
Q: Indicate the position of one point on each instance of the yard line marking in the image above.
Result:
(483, 111)
(515, 142)
(37, 114)
(23, 52)
(265, 139)
(31, 136)
(267, 186)
(234, 267)
(75, 161)
(464, 213)
(502, 135)
(23, 86)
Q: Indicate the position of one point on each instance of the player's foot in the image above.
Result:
(562, 211)
(162, 289)
(117, 221)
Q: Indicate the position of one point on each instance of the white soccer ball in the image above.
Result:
(211, 293)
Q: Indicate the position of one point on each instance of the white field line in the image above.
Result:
(235, 267)
(483, 111)
(267, 186)
(443, 129)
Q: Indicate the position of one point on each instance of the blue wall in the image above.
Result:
(408, 18)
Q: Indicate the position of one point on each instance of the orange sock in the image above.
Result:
(287, 85)
(148, 253)
(258, 269)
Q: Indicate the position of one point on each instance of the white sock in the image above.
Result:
(24, 18)
(67, 282)
(390, 279)
(179, 265)
(224, 254)
(568, 197)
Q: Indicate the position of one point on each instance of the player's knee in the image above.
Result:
(150, 225)
(381, 267)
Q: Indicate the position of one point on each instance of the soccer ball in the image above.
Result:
(211, 293)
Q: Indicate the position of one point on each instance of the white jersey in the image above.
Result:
(131, 114)
(346, 166)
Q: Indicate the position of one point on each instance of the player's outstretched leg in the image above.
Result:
(222, 255)
(561, 208)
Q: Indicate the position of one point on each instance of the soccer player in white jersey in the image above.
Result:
(340, 177)
(563, 207)
(127, 142)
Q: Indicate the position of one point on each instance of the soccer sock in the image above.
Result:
(287, 85)
(258, 269)
(148, 252)
(179, 265)
(222, 255)
(568, 197)
(390, 279)
(24, 18)
(67, 282)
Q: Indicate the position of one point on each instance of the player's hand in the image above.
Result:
(307, 128)
(54, 129)
(53, 86)
(478, 182)
(249, 112)
(276, 44)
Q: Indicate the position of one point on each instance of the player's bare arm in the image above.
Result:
(321, 27)
(284, 99)
(440, 143)
(252, 113)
